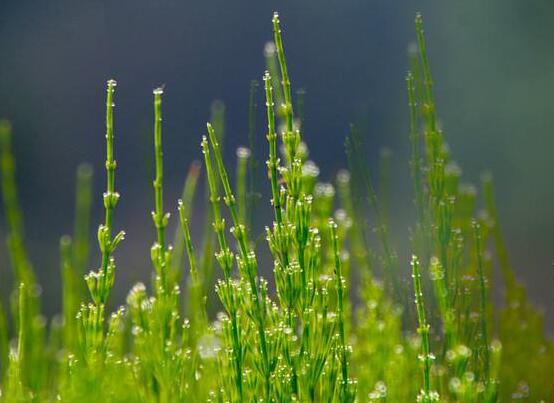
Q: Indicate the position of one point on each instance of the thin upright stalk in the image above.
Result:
(70, 294)
(340, 307)
(273, 161)
(483, 300)
(197, 299)
(111, 197)
(426, 394)
(187, 196)
(158, 216)
(415, 162)
(243, 158)
(16, 249)
(100, 283)
(289, 116)
(225, 260)
(247, 255)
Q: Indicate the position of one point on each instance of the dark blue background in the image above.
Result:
(492, 61)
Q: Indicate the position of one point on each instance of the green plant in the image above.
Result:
(337, 328)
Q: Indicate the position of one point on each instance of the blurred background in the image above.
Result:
(492, 61)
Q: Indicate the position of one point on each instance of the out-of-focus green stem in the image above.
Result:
(189, 191)
(83, 203)
(243, 158)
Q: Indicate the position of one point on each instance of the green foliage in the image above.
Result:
(337, 327)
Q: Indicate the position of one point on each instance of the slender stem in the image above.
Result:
(188, 242)
(284, 73)
(500, 245)
(158, 182)
(158, 216)
(110, 196)
(415, 162)
(70, 294)
(248, 257)
(83, 203)
(197, 307)
(243, 158)
(187, 196)
(225, 259)
(228, 197)
(16, 248)
(22, 338)
(426, 357)
(426, 70)
(110, 162)
(273, 162)
(483, 300)
(340, 305)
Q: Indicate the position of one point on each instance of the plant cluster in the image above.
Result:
(335, 323)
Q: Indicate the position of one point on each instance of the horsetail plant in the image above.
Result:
(426, 394)
(187, 197)
(161, 253)
(246, 262)
(100, 282)
(226, 289)
(27, 319)
(335, 326)
(347, 387)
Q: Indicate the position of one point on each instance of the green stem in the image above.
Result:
(415, 163)
(248, 257)
(483, 299)
(340, 305)
(243, 158)
(158, 216)
(225, 259)
(110, 162)
(284, 73)
(426, 357)
(111, 197)
(197, 299)
(189, 190)
(18, 256)
(70, 293)
(273, 162)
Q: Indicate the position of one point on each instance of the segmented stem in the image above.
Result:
(158, 215)
(284, 73)
(340, 304)
(225, 260)
(426, 357)
(483, 299)
(196, 299)
(426, 71)
(187, 196)
(110, 161)
(273, 162)
(415, 163)
(70, 294)
(248, 257)
(111, 197)
(243, 158)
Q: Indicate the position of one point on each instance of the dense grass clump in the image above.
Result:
(337, 324)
